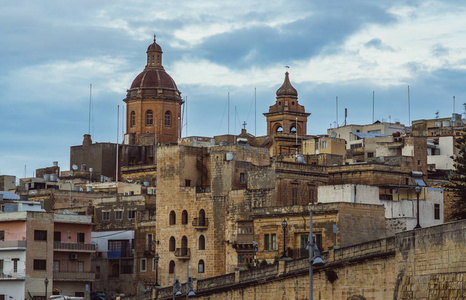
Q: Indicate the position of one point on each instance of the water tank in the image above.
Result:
(55, 163)
(53, 177)
(47, 178)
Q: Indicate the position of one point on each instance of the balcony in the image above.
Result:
(12, 245)
(82, 247)
(200, 223)
(183, 253)
(12, 276)
(73, 276)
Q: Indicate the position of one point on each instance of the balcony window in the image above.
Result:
(57, 236)
(15, 264)
(126, 266)
(2, 235)
(56, 266)
(171, 267)
(274, 241)
(171, 244)
(172, 218)
(81, 236)
(266, 241)
(184, 217)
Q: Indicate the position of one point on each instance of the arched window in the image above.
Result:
(172, 218)
(168, 118)
(184, 246)
(171, 267)
(200, 266)
(201, 217)
(279, 129)
(201, 242)
(293, 129)
(184, 217)
(149, 118)
(158, 59)
(171, 244)
(132, 119)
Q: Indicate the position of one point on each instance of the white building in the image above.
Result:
(400, 203)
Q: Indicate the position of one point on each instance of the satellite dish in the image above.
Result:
(75, 167)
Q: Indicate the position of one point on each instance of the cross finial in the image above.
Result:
(244, 124)
(154, 37)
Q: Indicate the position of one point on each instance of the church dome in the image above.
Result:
(154, 78)
(287, 89)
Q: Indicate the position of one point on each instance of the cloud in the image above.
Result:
(377, 44)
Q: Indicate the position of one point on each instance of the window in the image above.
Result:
(105, 216)
(81, 236)
(201, 266)
(149, 118)
(184, 217)
(40, 264)
(171, 267)
(324, 144)
(172, 218)
(149, 242)
(370, 154)
(158, 59)
(57, 236)
(274, 242)
(40, 235)
(293, 129)
(318, 240)
(143, 265)
(187, 182)
(171, 244)
(79, 266)
(131, 214)
(202, 218)
(126, 266)
(168, 118)
(15, 264)
(294, 196)
(118, 215)
(201, 242)
(279, 129)
(241, 178)
(1, 266)
(266, 242)
(56, 266)
(133, 119)
(311, 196)
(124, 246)
(437, 211)
(2, 235)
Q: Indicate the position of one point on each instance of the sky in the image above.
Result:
(51, 51)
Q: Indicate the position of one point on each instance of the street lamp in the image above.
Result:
(314, 256)
(418, 191)
(284, 224)
(46, 282)
(156, 257)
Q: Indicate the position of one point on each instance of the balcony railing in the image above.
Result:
(73, 246)
(183, 253)
(201, 223)
(12, 276)
(12, 244)
(297, 253)
(74, 276)
(244, 238)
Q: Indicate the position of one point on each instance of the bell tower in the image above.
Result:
(153, 104)
(286, 115)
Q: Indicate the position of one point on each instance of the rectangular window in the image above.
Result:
(81, 236)
(126, 266)
(149, 242)
(1, 266)
(316, 145)
(131, 214)
(118, 215)
(2, 235)
(370, 154)
(15, 264)
(241, 178)
(56, 266)
(318, 240)
(187, 182)
(40, 264)
(294, 196)
(143, 265)
(105, 216)
(57, 236)
(79, 266)
(437, 211)
(40, 235)
(311, 196)
(324, 145)
(274, 242)
(266, 242)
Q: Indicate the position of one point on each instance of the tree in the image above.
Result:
(457, 184)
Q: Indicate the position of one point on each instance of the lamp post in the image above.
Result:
(284, 224)
(418, 191)
(156, 257)
(314, 256)
(46, 283)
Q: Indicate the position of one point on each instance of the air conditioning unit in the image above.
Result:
(73, 256)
